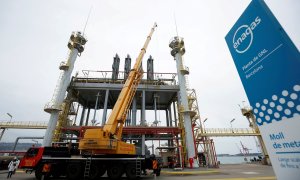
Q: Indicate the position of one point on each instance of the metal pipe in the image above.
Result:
(170, 116)
(96, 105)
(105, 107)
(143, 114)
(82, 115)
(155, 110)
(27, 137)
(74, 123)
(167, 118)
(143, 120)
(134, 111)
(175, 117)
(87, 117)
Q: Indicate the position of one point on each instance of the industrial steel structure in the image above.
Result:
(180, 129)
(96, 90)
(99, 90)
(158, 92)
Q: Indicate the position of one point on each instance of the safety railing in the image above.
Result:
(24, 124)
(91, 76)
(228, 132)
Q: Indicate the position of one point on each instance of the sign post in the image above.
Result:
(268, 64)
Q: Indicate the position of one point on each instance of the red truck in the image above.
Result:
(66, 161)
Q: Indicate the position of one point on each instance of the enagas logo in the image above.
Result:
(243, 36)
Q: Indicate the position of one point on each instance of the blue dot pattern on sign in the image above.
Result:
(279, 106)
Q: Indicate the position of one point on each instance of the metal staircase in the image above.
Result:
(62, 119)
(182, 134)
(201, 138)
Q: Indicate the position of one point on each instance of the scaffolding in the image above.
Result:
(204, 145)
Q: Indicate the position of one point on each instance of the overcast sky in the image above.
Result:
(34, 36)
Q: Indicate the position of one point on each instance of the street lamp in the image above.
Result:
(204, 121)
(231, 122)
(203, 127)
(10, 116)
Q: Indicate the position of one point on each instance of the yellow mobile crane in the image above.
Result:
(108, 139)
(101, 149)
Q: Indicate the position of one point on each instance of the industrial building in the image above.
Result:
(95, 92)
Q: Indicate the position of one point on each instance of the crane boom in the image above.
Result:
(119, 112)
(108, 139)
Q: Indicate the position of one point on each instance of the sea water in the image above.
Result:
(235, 159)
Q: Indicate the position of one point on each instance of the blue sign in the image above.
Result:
(267, 61)
(268, 64)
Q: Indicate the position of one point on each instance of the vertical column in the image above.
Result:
(134, 111)
(248, 112)
(170, 116)
(143, 145)
(155, 109)
(143, 119)
(143, 112)
(82, 115)
(75, 45)
(128, 118)
(105, 107)
(168, 124)
(263, 149)
(87, 117)
(167, 118)
(75, 119)
(171, 124)
(178, 49)
(175, 115)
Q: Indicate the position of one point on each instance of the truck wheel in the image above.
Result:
(38, 173)
(56, 171)
(115, 171)
(56, 174)
(93, 172)
(131, 171)
(158, 172)
(74, 171)
(97, 170)
(101, 169)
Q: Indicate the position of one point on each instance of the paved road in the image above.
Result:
(225, 172)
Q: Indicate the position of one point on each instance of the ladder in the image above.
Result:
(87, 168)
(138, 167)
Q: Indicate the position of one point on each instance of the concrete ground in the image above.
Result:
(225, 172)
